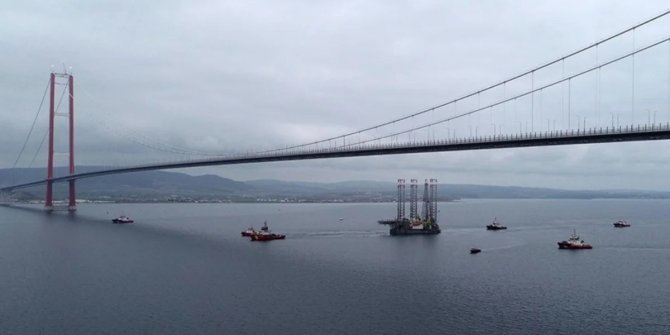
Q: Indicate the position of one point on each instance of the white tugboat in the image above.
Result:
(122, 219)
(495, 225)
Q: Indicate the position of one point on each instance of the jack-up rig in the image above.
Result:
(416, 224)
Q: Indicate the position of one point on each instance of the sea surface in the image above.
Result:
(185, 269)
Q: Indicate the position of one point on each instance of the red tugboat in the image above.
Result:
(574, 243)
(621, 224)
(266, 235)
(250, 231)
(122, 219)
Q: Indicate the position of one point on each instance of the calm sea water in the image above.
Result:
(184, 269)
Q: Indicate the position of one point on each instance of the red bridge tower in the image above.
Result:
(67, 80)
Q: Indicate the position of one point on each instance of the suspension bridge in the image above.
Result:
(597, 94)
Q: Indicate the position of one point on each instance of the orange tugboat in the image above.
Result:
(574, 243)
(266, 235)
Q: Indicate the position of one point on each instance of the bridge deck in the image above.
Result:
(625, 134)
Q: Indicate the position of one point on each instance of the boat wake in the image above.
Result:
(338, 234)
(635, 247)
(505, 247)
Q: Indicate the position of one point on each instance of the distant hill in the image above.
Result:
(175, 186)
(278, 186)
(140, 186)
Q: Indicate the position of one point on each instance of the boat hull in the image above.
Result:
(261, 237)
(401, 230)
(117, 221)
(569, 246)
(495, 228)
(475, 250)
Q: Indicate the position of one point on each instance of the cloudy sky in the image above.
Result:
(224, 76)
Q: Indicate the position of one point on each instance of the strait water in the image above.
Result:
(184, 269)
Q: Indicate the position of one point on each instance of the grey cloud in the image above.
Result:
(235, 76)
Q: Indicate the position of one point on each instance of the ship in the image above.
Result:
(495, 225)
(621, 224)
(574, 243)
(475, 250)
(266, 235)
(415, 224)
(122, 219)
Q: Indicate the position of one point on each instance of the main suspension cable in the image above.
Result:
(568, 79)
(560, 59)
(46, 89)
(60, 100)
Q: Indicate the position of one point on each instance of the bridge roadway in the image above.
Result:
(602, 135)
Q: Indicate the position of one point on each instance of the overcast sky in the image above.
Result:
(220, 76)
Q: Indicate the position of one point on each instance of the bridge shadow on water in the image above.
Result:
(135, 230)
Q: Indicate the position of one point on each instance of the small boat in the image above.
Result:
(621, 224)
(495, 225)
(574, 243)
(250, 231)
(475, 250)
(266, 235)
(122, 219)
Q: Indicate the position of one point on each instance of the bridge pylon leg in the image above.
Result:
(72, 203)
(48, 202)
